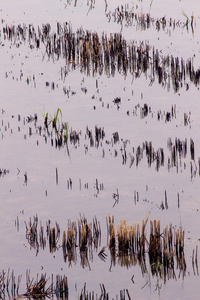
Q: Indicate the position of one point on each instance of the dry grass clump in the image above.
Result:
(83, 236)
(164, 247)
(38, 290)
(130, 245)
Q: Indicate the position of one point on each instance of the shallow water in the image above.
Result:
(97, 172)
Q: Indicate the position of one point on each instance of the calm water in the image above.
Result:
(31, 83)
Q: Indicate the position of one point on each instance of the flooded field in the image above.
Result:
(100, 149)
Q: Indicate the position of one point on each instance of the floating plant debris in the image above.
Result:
(38, 290)
(35, 289)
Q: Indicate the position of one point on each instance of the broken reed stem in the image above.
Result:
(56, 176)
(111, 231)
(52, 239)
(61, 289)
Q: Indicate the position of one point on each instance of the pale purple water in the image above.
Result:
(40, 161)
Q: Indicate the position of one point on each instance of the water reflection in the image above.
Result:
(126, 16)
(127, 245)
(179, 155)
(94, 54)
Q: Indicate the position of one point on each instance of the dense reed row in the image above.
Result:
(179, 155)
(39, 288)
(94, 54)
(81, 234)
(126, 245)
(126, 16)
(130, 245)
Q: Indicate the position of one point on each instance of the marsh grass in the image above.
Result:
(104, 295)
(35, 288)
(149, 281)
(54, 121)
(130, 245)
(127, 244)
(95, 54)
(151, 4)
(60, 128)
(38, 289)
